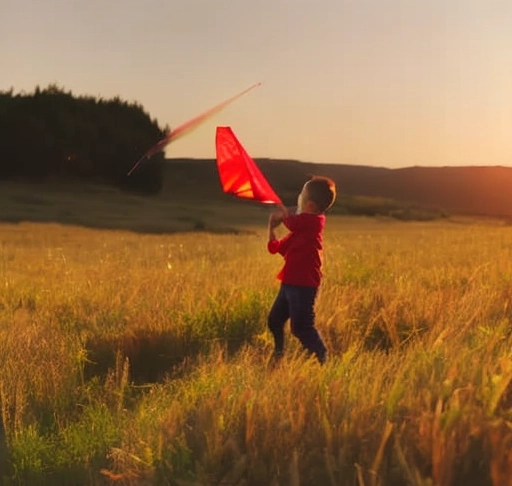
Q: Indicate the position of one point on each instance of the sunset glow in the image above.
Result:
(386, 83)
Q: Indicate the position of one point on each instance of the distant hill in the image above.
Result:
(484, 191)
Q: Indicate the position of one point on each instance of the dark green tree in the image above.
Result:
(50, 132)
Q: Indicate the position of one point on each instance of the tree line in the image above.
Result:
(52, 133)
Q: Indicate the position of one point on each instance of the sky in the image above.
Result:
(387, 83)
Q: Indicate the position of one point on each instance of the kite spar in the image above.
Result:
(189, 125)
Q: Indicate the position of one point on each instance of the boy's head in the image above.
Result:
(317, 195)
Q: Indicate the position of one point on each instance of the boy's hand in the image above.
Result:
(283, 210)
(275, 219)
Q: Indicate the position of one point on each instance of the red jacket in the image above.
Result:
(301, 249)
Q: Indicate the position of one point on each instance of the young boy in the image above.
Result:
(302, 271)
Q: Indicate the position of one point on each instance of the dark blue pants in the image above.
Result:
(297, 304)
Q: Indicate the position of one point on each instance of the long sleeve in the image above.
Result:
(273, 246)
(280, 246)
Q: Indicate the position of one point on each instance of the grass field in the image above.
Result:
(137, 354)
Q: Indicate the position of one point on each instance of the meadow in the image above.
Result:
(137, 358)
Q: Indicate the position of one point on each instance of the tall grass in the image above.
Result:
(142, 359)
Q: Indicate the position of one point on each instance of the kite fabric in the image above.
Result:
(189, 125)
(238, 173)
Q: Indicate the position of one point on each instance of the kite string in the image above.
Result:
(189, 125)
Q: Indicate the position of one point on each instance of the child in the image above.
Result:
(302, 271)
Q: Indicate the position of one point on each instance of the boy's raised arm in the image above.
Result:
(274, 220)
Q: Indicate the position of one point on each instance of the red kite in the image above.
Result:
(238, 173)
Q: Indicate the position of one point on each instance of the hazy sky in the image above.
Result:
(389, 83)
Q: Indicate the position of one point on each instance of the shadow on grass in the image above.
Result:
(152, 356)
(181, 225)
(107, 208)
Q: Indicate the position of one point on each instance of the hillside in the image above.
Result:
(484, 191)
(191, 198)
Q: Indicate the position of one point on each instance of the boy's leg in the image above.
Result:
(279, 314)
(302, 317)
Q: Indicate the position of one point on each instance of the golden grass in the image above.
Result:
(141, 358)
